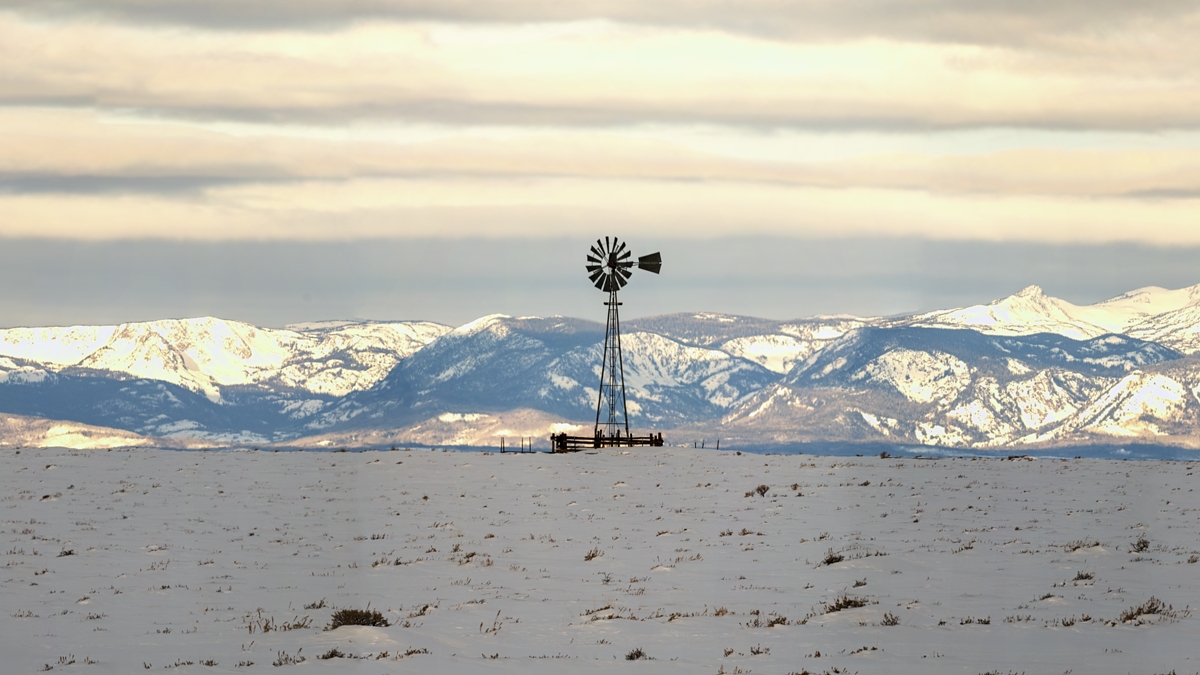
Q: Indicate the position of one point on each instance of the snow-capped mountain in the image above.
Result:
(207, 355)
(1144, 312)
(774, 345)
(964, 388)
(1028, 368)
(498, 363)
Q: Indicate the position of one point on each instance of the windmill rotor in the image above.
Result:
(610, 264)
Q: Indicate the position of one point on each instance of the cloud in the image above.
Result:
(134, 120)
(57, 151)
(550, 207)
(601, 74)
(953, 21)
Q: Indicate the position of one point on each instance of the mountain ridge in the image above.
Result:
(1025, 369)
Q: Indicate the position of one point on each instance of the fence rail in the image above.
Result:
(565, 443)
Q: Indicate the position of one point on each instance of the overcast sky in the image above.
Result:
(285, 160)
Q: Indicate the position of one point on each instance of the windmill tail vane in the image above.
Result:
(610, 265)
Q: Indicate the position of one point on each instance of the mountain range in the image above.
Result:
(1022, 371)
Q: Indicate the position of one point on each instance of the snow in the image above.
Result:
(1143, 313)
(11, 373)
(1124, 409)
(491, 321)
(708, 316)
(883, 425)
(1119, 313)
(58, 346)
(461, 417)
(1179, 330)
(204, 354)
(179, 557)
(1041, 400)
(653, 363)
(976, 414)
(777, 353)
(922, 377)
(1016, 367)
(18, 431)
(1028, 311)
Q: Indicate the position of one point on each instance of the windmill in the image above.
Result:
(610, 265)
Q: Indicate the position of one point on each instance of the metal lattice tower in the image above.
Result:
(609, 268)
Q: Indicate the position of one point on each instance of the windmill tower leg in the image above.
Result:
(612, 379)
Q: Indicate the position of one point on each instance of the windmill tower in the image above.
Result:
(609, 267)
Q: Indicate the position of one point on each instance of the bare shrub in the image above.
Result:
(265, 624)
(832, 557)
(357, 617)
(635, 654)
(285, 659)
(890, 619)
(1141, 545)
(843, 602)
(1152, 607)
(762, 490)
(593, 554)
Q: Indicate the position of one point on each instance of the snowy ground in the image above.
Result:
(478, 562)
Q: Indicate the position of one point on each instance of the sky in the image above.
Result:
(283, 161)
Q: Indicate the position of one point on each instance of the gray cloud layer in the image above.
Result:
(1133, 74)
(454, 281)
(981, 21)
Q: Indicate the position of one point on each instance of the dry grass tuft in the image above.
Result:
(357, 617)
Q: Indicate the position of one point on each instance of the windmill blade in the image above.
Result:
(610, 264)
(651, 263)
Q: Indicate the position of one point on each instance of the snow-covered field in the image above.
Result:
(125, 560)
